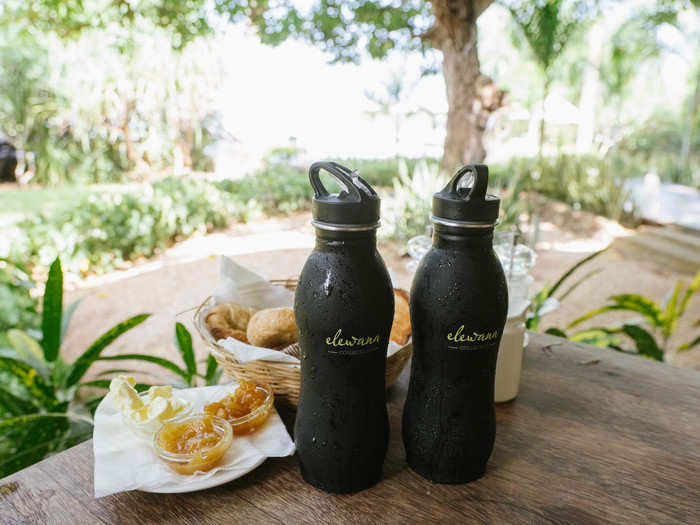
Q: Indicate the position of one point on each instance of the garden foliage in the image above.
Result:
(42, 409)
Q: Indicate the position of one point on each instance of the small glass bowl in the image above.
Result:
(148, 428)
(202, 460)
(256, 418)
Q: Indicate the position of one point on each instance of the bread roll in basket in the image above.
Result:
(285, 377)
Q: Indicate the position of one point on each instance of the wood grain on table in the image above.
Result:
(587, 441)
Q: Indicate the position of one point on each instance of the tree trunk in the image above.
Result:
(471, 96)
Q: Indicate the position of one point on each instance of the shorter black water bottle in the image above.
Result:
(344, 307)
(459, 303)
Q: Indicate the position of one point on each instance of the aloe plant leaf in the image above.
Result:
(183, 340)
(644, 341)
(27, 349)
(160, 361)
(52, 312)
(26, 439)
(68, 315)
(12, 405)
(31, 380)
(571, 270)
(81, 365)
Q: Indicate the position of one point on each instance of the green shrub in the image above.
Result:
(585, 182)
(277, 188)
(40, 410)
(18, 309)
(382, 172)
(104, 230)
(408, 207)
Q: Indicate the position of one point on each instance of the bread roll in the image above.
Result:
(401, 327)
(228, 320)
(273, 328)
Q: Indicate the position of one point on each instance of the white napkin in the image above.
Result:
(240, 285)
(126, 461)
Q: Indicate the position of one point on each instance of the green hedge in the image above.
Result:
(104, 230)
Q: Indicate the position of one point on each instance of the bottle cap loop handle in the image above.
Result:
(345, 176)
(480, 182)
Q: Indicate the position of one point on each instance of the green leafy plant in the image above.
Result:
(38, 412)
(17, 307)
(408, 209)
(277, 188)
(544, 301)
(651, 332)
(40, 409)
(104, 230)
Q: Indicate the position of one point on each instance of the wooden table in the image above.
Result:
(595, 436)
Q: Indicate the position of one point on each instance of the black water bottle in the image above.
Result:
(459, 303)
(344, 307)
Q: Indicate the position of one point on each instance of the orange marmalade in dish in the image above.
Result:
(196, 443)
(247, 408)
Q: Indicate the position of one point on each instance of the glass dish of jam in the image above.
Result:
(192, 444)
(246, 409)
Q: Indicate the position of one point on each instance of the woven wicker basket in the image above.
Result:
(284, 378)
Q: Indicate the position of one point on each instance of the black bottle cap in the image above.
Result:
(356, 207)
(464, 201)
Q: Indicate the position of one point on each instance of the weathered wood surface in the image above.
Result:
(617, 440)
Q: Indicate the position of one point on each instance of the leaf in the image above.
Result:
(12, 405)
(67, 316)
(640, 304)
(579, 282)
(36, 387)
(669, 317)
(644, 341)
(118, 371)
(26, 439)
(593, 313)
(691, 344)
(213, 373)
(555, 331)
(84, 362)
(160, 361)
(692, 288)
(627, 302)
(571, 270)
(104, 383)
(52, 311)
(183, 340)
(599, 337)
(28, 350)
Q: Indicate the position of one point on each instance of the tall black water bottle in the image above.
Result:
(344, 307)
(459, 303)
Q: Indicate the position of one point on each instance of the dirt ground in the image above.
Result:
(171, 285)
